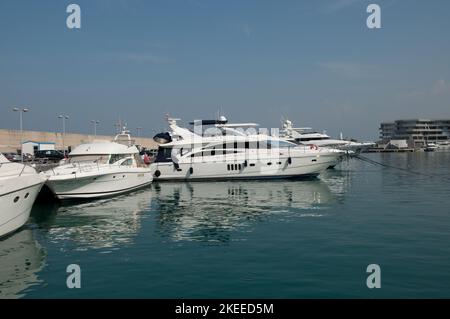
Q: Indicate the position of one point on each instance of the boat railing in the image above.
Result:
(86, 167)
(10, 175)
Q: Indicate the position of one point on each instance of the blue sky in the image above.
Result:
(315, 62)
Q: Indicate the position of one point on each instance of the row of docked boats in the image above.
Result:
(211, 150)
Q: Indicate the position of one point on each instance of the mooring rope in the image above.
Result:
(406, 170)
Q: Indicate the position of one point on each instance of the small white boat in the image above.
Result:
(19, 186)
(100, 169)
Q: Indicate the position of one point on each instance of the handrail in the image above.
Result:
(21, 172)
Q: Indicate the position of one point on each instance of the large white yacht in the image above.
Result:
(19, 187)
(100, 169)
(227, 151)
(305, 135)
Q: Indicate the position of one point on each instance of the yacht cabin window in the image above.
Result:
(127, 162)
(97, 159)
(117, 157)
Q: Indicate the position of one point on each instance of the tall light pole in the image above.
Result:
(21, 111)
(95, 122)
(64, 118)
(138, 129)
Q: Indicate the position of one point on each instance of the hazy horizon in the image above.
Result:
(315, 63)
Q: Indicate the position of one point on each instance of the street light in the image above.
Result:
(21, 111)
(95, 122)
(64, 118)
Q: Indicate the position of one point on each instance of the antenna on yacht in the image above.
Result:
(341, 136)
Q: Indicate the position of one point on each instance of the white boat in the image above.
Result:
(226, 151)
(305, 135)
(100, 169)
(19, 186)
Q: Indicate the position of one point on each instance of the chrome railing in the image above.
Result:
(10, 175)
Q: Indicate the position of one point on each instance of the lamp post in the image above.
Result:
(64, 118)
(21, 111)
(95, 122)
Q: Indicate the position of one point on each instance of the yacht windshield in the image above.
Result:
(98, 159)
(280, 144)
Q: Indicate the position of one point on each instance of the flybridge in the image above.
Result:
(222, 122)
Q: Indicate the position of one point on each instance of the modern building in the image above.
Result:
(417, 132)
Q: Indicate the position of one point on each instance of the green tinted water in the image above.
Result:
(258, 239)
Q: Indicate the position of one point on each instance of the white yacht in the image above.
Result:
(305, 135)
(19, 186)
(226, 151)
(100, 169)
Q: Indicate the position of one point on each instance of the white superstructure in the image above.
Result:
(305, 135)
(19, 187)
(100, 169)
(227, 151)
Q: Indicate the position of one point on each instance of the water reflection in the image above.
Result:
(99, 224)
(21, 258)
(210, 211)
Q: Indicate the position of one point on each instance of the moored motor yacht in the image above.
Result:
(227, 151)
(100, 169)
(305, 135)
(19, 186)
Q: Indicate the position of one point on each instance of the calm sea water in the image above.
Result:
(258, 239)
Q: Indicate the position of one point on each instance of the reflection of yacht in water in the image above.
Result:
(211, 211)
(21, 258)
(103, 223)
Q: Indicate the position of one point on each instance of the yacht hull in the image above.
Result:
(16, 201)
(260, 169)
(85, 186)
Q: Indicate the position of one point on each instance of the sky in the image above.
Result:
(314, 62)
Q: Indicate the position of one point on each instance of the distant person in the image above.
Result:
(147, 160)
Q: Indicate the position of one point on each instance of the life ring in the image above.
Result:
(313, 147)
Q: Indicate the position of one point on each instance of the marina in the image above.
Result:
(218, 188)
(220, 158)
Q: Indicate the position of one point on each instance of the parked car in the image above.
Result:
(13, 157)
(50, 155)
